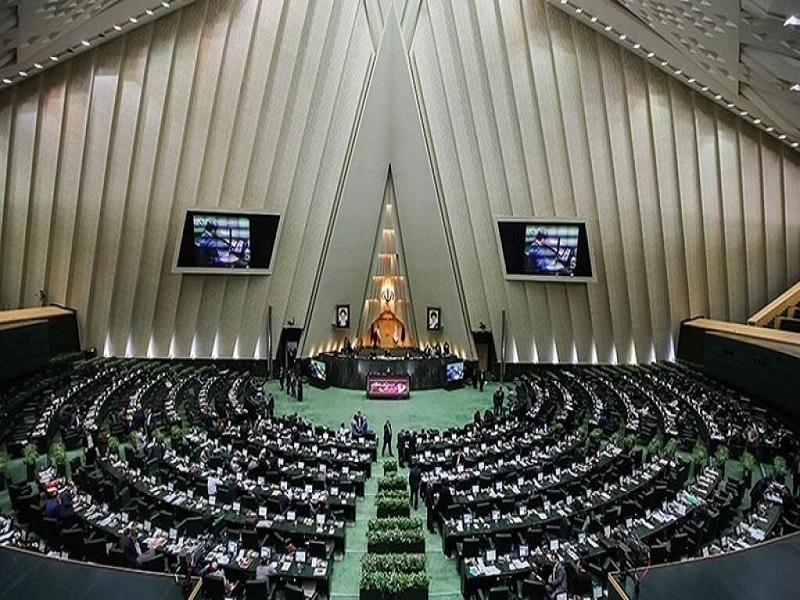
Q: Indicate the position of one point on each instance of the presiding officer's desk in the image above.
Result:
(351, 371)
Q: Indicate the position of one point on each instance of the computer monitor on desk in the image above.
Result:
(491, 555)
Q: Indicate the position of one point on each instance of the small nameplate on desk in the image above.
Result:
(237, 507)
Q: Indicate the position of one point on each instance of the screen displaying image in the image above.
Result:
(552, 250)
(215, 241)
(317, 370)
(455, 371)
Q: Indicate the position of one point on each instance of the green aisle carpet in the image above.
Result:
(439, 409)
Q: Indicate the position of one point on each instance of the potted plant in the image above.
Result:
(655, 445)
(58, 458)
(721, 456)
(671, 448)
(3, 471)
(113, 445)
(628, 442)
(392, 504)
(616, 439)
(396, 483)
(30, 456)
(390, 467)
(780, 469)
(557, 428)
(749, 463)
(699, 452)
(595, 435)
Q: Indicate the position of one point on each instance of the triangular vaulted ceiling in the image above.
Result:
(743, 54)
(390, 137)
(37, 34)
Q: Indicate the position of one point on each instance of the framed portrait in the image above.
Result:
(434, 318)
(342, 316)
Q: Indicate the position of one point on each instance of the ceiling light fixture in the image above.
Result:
(718, 97)
(149, 12)
(651, 54)
(37, 65)
(608, 27)
(795, 87)
(782, 136)
(704, 88)
(692, 79)
(792, 20)
(664, 63)
(133, 20)
(623, 37)
(7, 81)
(757, 121)
(794, 144)
(117, 28)
(770, 129)
(637, 46)
(54, 58)
(165, 4)
(593, 19)
(85, 43)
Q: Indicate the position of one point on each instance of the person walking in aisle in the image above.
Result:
(414, 479)
(387, 438)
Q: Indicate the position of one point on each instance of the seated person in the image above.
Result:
(265, 570)
(212, 570)
(582, 581)
(134, 553)
(557, 582)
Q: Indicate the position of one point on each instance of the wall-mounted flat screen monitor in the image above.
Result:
(225, 242)
(554, 250)
(317, 370)
(454, 371)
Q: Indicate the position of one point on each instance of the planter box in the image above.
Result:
(403, 511)
(412, 594)
(397, 547)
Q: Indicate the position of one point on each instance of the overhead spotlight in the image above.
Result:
(718, 97)
(770, 129)
(782, 136)
(148, 12)
(165, 4)
(794, 144)
(678, 72)
(792, 21)
(37, 65)
(692, 80)
(563, 1)
(664, 63)
(133, 20)
(795, 87)
(7, 81)
(579, 10)
(117, 28)
(704, 88)
(651, 54)
(623, 37)
(608, 27)
(593, 19)
(54, 58)
(743, 113)
(730, 105)
(637, 46)
(757, 122)
(86, 43)
(23, 73)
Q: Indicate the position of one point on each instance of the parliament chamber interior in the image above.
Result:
(399, 300)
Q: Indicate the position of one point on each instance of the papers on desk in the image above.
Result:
(520, 564)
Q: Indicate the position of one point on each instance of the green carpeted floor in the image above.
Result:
(438, 409)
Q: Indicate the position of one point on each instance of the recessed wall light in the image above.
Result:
(637, 46)
(6, 80)
(792, 20)
(86, 43)
(133, 20)
(651, 54)
(54, 58)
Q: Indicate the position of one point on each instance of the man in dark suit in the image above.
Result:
(557, 582)
(271, 406)
(402, 439)
(414, 479)
(387, 438)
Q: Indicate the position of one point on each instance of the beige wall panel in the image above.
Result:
(102, 105)
(612, 318)
(621, 141)
(755, 267)
(774, 224)
(137, 209)
(7, 101)
(18, 187)
(648, 201)
(79, 90)
(711, 201)
(42, 196)
(689, 206)
(149, 337)
(790, 186)
(115, 198)
(730, 173)
(668, 205)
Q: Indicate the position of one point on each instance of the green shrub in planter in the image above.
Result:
(405, 523)
(3, 470)
(671, 448)
(387, 541)
(30, 455)
(399, 563)
(749, 462)
(654, 447)
(58, 456)
(779, 467)
(722, 455)
(628, 441)
(699, 453)
(394, 583)
(390, 467)
(395, 483)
